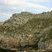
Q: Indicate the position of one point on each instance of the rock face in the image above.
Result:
(26, 30)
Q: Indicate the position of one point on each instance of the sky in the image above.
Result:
(9, 7)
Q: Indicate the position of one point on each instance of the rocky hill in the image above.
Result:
(27, 31)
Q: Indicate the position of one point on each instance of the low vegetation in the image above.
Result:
(26, 31)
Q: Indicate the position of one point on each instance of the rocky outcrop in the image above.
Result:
(26, 30)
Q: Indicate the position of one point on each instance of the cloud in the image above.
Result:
(14, 2)
(4, 16)
(22, 1)
(39, 1)
(8, 7)
(25, 3)
(40, 7)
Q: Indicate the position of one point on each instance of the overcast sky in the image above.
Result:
(8, 7)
